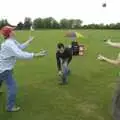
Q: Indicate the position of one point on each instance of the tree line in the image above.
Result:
(51, 23)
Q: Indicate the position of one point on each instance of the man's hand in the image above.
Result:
(41, 54)
(100, 57)
(108, 41)
(60, 73)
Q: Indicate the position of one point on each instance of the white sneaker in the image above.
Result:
(14, 109)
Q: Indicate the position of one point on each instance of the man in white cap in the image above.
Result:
(10, 51)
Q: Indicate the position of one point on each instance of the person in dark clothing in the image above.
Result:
(75, 47)
(63, 58)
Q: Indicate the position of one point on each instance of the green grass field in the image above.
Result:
(91, 84)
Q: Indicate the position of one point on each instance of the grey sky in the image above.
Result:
(90, 11)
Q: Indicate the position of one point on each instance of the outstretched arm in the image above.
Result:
(111, 61)
(113, 44)
(15, 51)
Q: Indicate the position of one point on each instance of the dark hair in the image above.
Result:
(60, 45)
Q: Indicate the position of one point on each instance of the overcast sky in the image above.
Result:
(90, 11)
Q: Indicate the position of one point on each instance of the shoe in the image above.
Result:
(14, 109)
(63, 83)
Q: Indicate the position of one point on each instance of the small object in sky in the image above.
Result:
(104, 5)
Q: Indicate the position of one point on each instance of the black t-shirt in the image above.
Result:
(65, 56)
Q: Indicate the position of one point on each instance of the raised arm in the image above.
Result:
(25, 44)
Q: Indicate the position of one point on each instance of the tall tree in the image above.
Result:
(20, 26)
(27, 23)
